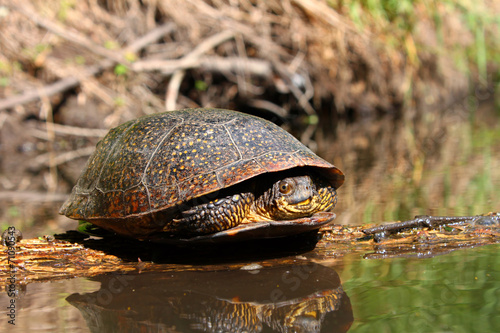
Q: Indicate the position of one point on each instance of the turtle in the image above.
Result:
(203, 174)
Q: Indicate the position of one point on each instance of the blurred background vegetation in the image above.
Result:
(401, 95)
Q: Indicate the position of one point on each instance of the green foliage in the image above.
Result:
(119, 101)
(13, 215)
(483, 26)
(130, 56)
(121, 70)
(37, 50)
(88, 228)
(16, 66)
(111, 45)
(13, 212)
(80, 60)
(312, 119)
(399, 13)
(5, 67)
(64, 7)
(200, 85)
(396, 21)
(396, 17)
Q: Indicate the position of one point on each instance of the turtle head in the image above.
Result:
(299, 196)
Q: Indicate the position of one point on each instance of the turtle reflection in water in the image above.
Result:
(204, 174)
(296, 298)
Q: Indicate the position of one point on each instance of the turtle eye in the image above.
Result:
(285, 187)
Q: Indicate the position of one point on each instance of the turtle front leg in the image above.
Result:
(217, 215)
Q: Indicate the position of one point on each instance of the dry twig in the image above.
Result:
(426, 221)
(70, 130)
(203, 47)
(210, 63)
(48, 160)
(70, 36)
(32, 197)
(72, 82)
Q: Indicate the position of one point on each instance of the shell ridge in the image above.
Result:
(260, 164)
(132, 123)
(148, 195)
(294, 154)
(271, 152)
(160, 145)
(197, 121)
(178, 189)
(240, 157)
(78, 190)
(224, 123)
(217, 176)
(254, 159)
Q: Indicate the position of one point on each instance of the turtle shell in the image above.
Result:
(162, 160)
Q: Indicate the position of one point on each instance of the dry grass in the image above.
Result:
(300, 56)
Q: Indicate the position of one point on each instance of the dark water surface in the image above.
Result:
(457, 292)
(393, 173)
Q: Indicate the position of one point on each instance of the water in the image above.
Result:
(457, 292)
(42, 308)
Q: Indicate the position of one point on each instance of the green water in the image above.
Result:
(457, 292)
